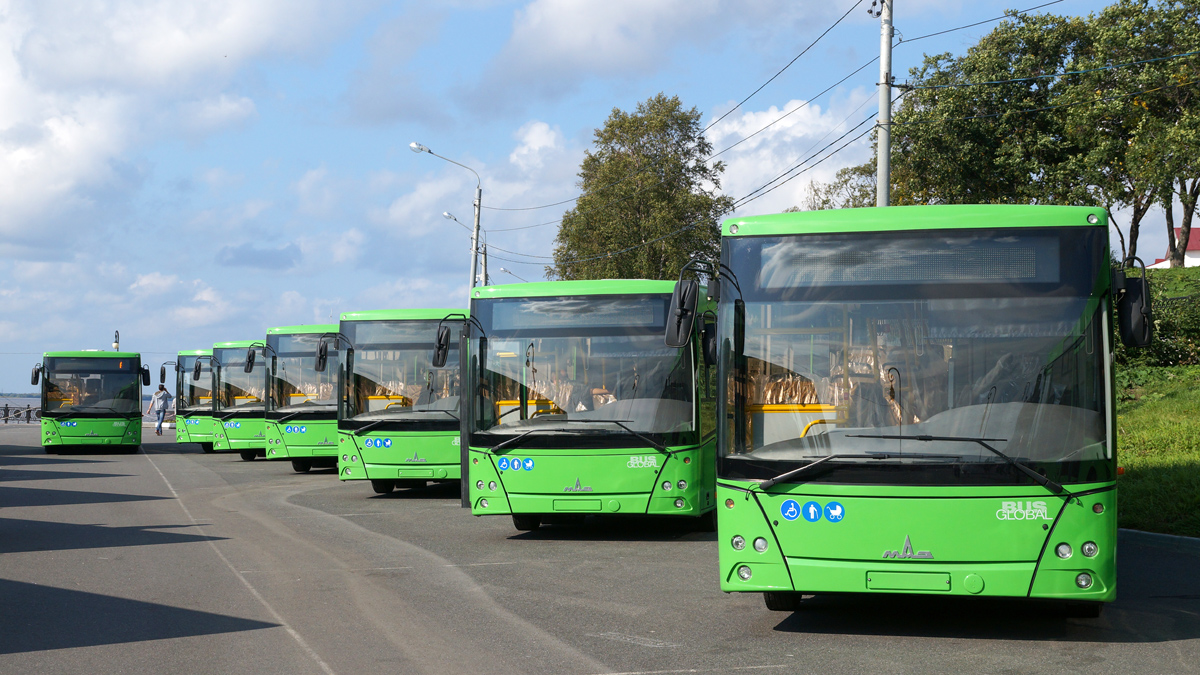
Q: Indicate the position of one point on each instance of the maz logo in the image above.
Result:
(415, 458)
(907, 553)
(578, 487)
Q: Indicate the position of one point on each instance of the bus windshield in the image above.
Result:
(237, 389)
(294, 384)
(96, 386)
(855, 345)
(587, 366)
(195, 396)
(391, 377)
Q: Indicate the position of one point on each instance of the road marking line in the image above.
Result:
(694, 670)
(257, 596)
(632, 639)
(478, 564)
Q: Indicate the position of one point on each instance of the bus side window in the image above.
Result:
(707, 390)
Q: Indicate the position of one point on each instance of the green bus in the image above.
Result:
(397, 416)
(239, 389)
(193, 397)
(920, 400)
(91, 398)
(301, 408)
(574, 405)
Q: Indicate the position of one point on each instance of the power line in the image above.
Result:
(789, 65)
(1046, 77)
(977, 23)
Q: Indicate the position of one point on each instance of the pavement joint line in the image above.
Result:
(479, 564)
(694, 670)
(348, 569)
(253, 591)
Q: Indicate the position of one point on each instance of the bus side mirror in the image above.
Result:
(249, 367)
(322, 356)
(441, 349)
(162, 374)
(146, 376)
(196, 370)
(1135, 319)
(37, 374)
(682, 314)
(708, 342)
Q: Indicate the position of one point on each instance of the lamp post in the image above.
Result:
(450, 216)
(418, 148)
(511, 274)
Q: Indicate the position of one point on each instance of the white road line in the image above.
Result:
(478, 564)
(257, 596)
(695, 670)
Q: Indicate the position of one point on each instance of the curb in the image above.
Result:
(1172, 542)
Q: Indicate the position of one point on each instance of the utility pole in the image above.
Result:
(485, 275)
(475, 237)
(883, 148)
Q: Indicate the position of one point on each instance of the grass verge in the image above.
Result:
(1158, 441)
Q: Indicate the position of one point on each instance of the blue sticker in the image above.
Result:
(370, 443)
(515, 464)
(287, 429)
(502, 464)
(387, 442)
(238, 425)
(834, 512)
(789, 509)
(811, 512)
(303, 429)
(528, 464)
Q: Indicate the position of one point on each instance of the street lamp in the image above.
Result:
(510, 273)
(450, 216)
(418, 148)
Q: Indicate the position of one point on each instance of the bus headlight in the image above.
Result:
(679, 503)
(1089, 549)
(1063, 550)
(738, 542)
(666, 486)
(478, 485)
(345, 458)
(744, 573)
(682, 485)
(483, 503)
(1084, 580)
(492, 485)
(353, 458)
(760, 544)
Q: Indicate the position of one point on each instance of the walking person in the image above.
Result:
(160, 403)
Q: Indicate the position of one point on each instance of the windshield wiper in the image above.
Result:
(771, 482)
(438, 410)
(101, 407)
(645, 439)
(516, 439)
(1038, 478)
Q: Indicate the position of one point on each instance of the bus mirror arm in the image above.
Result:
(1135, 317)
(322, 358)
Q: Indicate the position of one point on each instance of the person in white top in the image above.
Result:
(160, 403)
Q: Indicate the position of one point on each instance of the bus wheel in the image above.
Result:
(1083, 610)
(207, 447)
(782, 601)
(526, 522)
(707, 522)
(131, 449)
(248, 455)
(50, 449)
(383, 487)
(301, 465)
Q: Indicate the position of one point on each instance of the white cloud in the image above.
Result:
(207, 306)
(537, 139)
(213, 114)
(347, 247)
(155, 283)
(317, 196)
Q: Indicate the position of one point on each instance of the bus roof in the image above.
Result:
(195, 352)
(593, 287)
(401, 315)
(896, 218)
(311, 329)
(94, 353)
(237, 344)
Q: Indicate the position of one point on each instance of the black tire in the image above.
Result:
(526, 522)
(207, 447)
(130, 449)
(707, 522)
(50, 449)
(1083, 610)
(383, 487)
(248, 455)
(782, 601)
(301, 465)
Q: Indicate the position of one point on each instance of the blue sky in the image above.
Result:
(190, 174)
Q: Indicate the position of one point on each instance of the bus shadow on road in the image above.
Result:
(8, 475)
(22, 536)
(38, 618)
(23, 496)
(617, 529)
(430, 491)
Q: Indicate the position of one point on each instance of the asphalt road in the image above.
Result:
(177, 561)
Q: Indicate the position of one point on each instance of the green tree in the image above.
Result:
(976, 144)
(852, 187)
(646, 178)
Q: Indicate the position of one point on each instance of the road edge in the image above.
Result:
(1169, 541)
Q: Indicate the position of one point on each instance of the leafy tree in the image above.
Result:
(647, 177)
(852, 187)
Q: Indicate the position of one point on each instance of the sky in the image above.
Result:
(188, 173)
